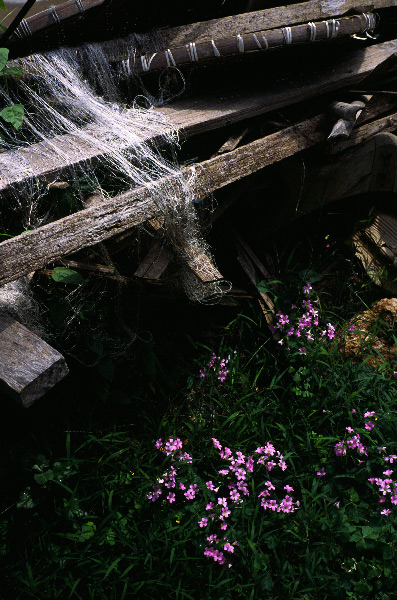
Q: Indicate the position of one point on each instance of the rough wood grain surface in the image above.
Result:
(32, 250)
(198, 115)
(29, 367)
(54, 16)
(269, 18)
(258, 41)
(370, 166)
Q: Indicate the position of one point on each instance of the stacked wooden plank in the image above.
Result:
(369, 68)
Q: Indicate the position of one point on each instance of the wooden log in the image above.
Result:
(193, 116)
(29, 367)
(54, 16)
(197, 52)
(270, 18)
(32, 250)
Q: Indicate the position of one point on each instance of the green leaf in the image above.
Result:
(310, 276)
(13, 114)
(2, 5)
(12, 72)
(65, 275)
(3, 56)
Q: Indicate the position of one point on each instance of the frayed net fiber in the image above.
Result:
(65, 92)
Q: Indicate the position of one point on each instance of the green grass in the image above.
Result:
(76, 521)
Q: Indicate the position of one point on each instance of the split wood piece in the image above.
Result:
(388, 123)
(248, 261)
(29, 367)
(54, 16)
(369, 167)
(348, 114)
(270, 18)
(196, 52)
(383, 233)
(34, 249)
(190, 117)
(158, 257)
(374, 267)
(155, 262)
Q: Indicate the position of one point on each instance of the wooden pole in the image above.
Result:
(197, 52)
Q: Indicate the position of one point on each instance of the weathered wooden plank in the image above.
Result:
(54, 16)
(29, 367)
(193, 116)
(258, 41)
(269, 18)
(32, 250)
(368, 167)
(383, 233)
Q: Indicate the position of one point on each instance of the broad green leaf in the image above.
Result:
(3, 57)
(310, 276)
(13, 71)
(2, 5)
(13, 114)
(65, 275)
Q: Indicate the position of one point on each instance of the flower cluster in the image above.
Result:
(231, 493)
(227, 495)
(172, 448)
(354, 441)
(303, 325)
(218, 365)
(387, 487)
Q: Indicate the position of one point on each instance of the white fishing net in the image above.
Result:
(73, 111)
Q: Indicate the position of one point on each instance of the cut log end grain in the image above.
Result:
(29, 367)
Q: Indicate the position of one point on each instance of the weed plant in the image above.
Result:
(267, 475)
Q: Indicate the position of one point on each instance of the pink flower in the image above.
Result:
(192, 491)
(321, 472)
(224, 526)
(234, 495)
(203, 522)
(288, 488)
(369, 414)
(385, 511)
(159, 443)
(171, 497)
(307, 288)
(228, 547)
(210, 485)
(209, 506)
(369, 425)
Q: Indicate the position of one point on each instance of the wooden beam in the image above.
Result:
(32, 250)
(258, 41)
(193, 116)
(269, 18)
(54, 16)
(29, 367)
(370, 166)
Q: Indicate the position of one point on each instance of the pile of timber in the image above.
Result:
(342, 115)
